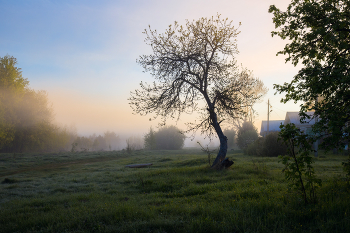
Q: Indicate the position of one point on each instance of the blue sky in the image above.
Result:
(83, 53)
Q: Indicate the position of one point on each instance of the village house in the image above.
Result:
(291, 117)
(274, 126)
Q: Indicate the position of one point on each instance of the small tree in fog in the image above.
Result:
(112, 140)
(150, 140)
(230, 134)
(99, 144)
(134, 143)
(195, 71)
(83, 144)
(246, 134)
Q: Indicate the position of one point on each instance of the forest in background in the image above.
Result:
(26, 119)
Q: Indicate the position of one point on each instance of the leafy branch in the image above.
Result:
(298, 167)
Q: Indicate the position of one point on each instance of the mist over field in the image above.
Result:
(83, 54)
(87, 115)
(175, 116)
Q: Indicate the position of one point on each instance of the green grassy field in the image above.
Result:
(95, 192)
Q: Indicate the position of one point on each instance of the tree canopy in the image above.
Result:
(319, 34)
(11, 76)
(195, 71)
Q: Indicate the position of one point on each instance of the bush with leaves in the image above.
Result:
(169, 138)
(298, 164)
(255, 148)
(268, 146)
(274, 147)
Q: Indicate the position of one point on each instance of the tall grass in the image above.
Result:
(95, 192)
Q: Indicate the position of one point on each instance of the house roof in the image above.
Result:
(273, 125)
(293, 117)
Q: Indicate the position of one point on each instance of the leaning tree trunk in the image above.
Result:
(223, 142)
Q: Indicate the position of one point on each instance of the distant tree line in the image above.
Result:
(109, 141)
(26, 119)
(166, 138)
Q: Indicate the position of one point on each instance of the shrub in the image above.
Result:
(298, 167)
(255, 148)
(166, 138)
(272, 147)
(268, 146)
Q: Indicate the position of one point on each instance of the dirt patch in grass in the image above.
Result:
(8, 181)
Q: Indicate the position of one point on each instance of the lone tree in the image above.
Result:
(195, 71)
(319, 35)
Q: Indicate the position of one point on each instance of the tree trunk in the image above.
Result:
(223, 142)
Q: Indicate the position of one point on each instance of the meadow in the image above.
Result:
(95, 192)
